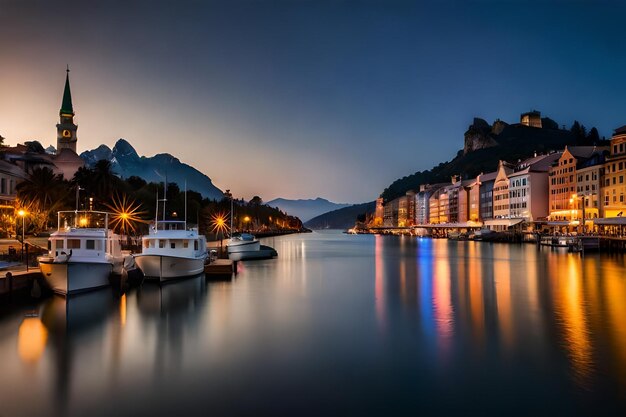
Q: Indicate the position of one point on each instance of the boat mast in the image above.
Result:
(156, 214)
(185, 204)
(164, 196)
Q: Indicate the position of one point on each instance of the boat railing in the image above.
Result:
(82, 219)
(168, 225)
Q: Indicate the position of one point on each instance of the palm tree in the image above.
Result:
(105, 180)
(41, 187)
(100, 181)
(42, 193)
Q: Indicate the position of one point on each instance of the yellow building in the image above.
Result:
(564, 202)
(614, 173)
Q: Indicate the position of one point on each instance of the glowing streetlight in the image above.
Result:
(218, 220)
(22, 213)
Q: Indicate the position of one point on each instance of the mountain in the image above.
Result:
(125, 162)
(343, 218)
(305, 209)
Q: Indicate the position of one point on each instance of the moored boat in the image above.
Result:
(171, 251)
(83, 256)
(245, 246)
(243, 242)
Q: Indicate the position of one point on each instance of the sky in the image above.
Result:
(305, 99)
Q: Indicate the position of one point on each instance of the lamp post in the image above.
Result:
(22, 214)
(575, 198)
(229, 195)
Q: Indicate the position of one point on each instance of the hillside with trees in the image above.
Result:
(43, 193)
(513, 143)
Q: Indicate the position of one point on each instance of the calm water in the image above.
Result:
(337, 325)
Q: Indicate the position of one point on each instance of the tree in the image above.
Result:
(34, 147)
(42, 194)
(594, 136)
(256, 201)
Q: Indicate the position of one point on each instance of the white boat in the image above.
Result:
(245, 247)
(264, 252)
(83, 256)
(171, 251)
(243, 242)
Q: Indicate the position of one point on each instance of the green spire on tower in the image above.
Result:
(66, 105)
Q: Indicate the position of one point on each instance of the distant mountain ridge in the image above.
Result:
(125, 162)
(343, 218)
(305, 209)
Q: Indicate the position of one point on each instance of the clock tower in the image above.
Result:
(66, 129)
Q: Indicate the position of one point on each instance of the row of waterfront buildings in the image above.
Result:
(557, 190)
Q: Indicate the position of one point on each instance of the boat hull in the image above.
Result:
(75, 277)
(264, 252)
(164, 268)
(243, 246)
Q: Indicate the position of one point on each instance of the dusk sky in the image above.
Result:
(300, 99)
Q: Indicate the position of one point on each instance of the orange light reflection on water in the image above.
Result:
(442, 301)
(379, 290)
(31, 340)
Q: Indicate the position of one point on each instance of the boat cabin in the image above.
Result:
(83, 234)
(171, 237)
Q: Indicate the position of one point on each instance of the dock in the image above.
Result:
(18, 281)
(221, 267)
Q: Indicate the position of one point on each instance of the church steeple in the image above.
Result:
(66, 129)
(66, 105)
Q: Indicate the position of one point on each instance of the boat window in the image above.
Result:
(59, 243)
(185, 244)
(152, 243)
(161, 244)
(73, 243)
(173, 245)
(195, 245)
(98, 245)
(90, 244)
(146, 243)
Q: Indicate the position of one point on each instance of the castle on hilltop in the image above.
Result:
(480, 134)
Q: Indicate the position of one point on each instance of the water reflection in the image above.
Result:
(477, 295)
(74, 323)
(337, 325)
(31, 339)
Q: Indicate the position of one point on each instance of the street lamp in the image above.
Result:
(22, 213)
(228, 195)
(575, 198)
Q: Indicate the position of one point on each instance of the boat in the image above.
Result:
(481, 234)
(245, 246)
(81, 257)
(264, 252)
(171, 251)
(243, 242)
